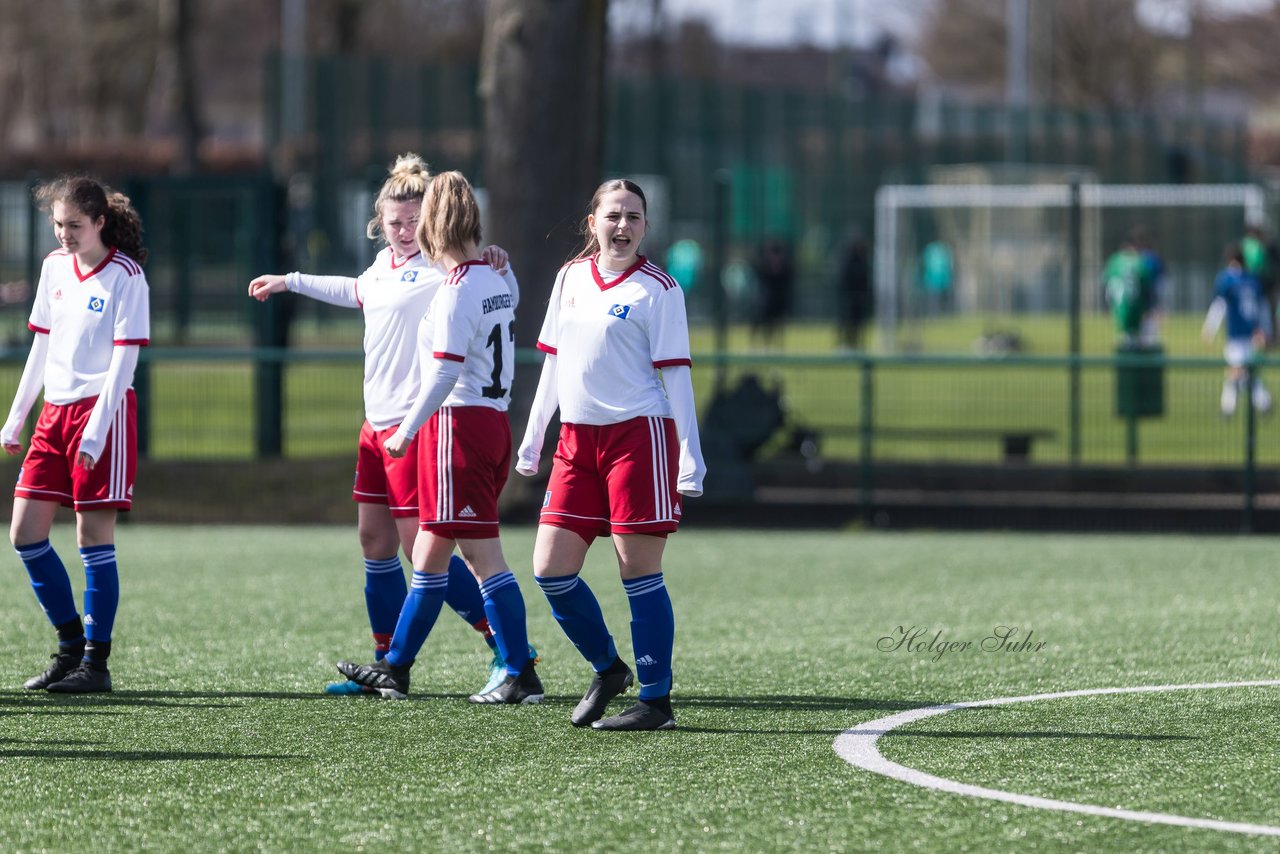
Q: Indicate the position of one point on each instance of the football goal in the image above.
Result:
(998, 253)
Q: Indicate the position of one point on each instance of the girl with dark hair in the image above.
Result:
(617, 367)
(90, 317)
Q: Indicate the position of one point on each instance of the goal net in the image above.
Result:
(965, 265)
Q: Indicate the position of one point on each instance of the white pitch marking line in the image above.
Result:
(857, 746)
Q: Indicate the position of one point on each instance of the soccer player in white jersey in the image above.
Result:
(91, 315)
(618, 368)
(467, 351)
(394, 294)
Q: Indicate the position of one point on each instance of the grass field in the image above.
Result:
(217, 737)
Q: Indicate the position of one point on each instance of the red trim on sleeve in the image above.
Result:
(39, 329)
(450, 356)
(546, 349)
(125, 342)
(672, 363)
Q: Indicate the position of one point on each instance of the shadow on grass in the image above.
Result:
(141, 755)
(793, 703)
(23, 702)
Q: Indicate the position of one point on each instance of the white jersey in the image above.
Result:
(610, 339)
(472, 320)
(395, 297)
(86, 314)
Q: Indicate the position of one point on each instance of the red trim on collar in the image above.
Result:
(75, 260)
(602, 284)
(406, 260)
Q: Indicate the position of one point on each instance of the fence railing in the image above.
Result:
(847, 412)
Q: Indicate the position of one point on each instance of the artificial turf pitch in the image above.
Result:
(217, 736)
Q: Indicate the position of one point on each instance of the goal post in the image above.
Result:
(1012, 252)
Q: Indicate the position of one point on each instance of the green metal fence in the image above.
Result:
(204, 404)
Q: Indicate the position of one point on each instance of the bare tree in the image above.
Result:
(1086, 53)
(179, 24)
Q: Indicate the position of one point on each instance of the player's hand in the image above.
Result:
(12, 448)
(83, 459)
(496, 257)
(264, 286)
(397, 445)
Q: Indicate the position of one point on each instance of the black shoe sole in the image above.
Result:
(639, 718)
(359, 674)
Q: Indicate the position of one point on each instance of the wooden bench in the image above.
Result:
(1014, 442)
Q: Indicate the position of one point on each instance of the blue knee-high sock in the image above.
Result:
(50, 581)
(576, 610)
(421, 608)
(653, 630)
(384, 592)
(101, 591)
(464, 597)
(504, 605)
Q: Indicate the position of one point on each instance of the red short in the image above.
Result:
(464, 456)
(615, 479)
(49, 471)
(383, 479)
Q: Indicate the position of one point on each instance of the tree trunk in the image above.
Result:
(542, 79)
(181, 34)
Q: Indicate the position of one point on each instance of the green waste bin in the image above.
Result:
(1140, 387)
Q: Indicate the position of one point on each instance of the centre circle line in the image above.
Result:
(857, 746)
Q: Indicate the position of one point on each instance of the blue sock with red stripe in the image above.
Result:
(464, 597)
(418, 616)
(653, 631)
(504, 604)
(384, 593)
(578, 612)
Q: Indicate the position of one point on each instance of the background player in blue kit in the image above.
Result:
(1238, 299)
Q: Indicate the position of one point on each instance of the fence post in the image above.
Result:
(719, 251)
(1250, 449)
(1073, 289)
(866, 472)
(140, 196)
(271, 331)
